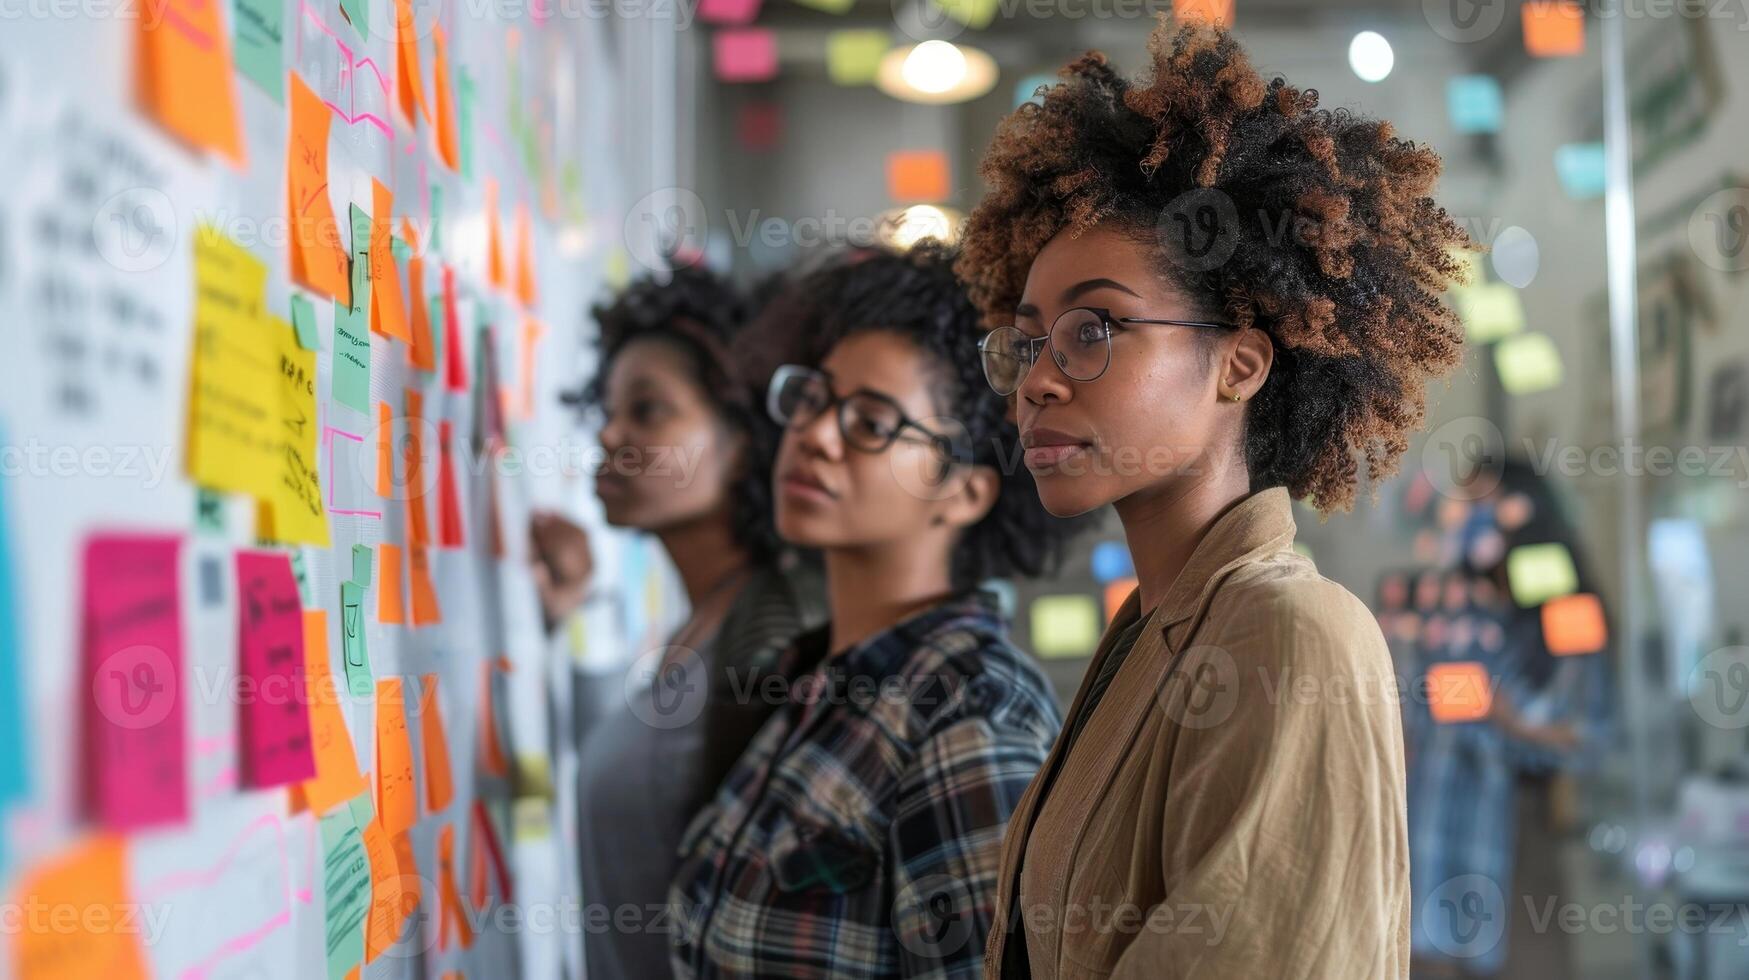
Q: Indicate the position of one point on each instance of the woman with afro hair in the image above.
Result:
(1239, 296)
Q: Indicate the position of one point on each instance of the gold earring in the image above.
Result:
(1235, 396)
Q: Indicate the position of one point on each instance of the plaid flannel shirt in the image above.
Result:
(859, 835)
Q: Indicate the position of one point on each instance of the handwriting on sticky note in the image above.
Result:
(296, 512)
(351, 383)
(233, 406)
(388, 312)
(318, 259)
(135, 730)
(397, 804)
(346, 890)
(356, 654)
(274, 717)
(91, 877)
(337, 778)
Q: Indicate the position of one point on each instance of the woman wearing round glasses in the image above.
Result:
(1212, 299)
(858, 835)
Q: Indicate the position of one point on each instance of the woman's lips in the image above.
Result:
(1045, 457)
(800, 489)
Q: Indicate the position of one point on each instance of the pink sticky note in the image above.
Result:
(728, 11)
(273, 719)
(135, 737)
(745, 54)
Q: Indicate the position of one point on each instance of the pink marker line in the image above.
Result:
(328, 434)
(237, 945)
(363, 117)
(345, 48)
(184, 880)
(225, 780)
(382, 80)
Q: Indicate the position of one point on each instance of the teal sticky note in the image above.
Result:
(437, 330)
(301, 572)
(1580, 168)
(361, 556)
(358, 676)
(304, 321)
(260, 54)
(435, 246)
(209, 511)
(399, 249)
(465, 121)
(363, 810)
(14, 757)
(345, 891)
(358, 13)
(1474, 103)
(352, 324)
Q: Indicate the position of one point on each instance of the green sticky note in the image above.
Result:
(352, 324)
(1527, 362)
(1490, 311)
(830, 6)
(209, 511)
(304, 321)
(1540, 572)
(436, 244)
(345, 890)
(358, 13)
(363, 810)
(301, 572)
(361, 556)
(400, 249)
(358, 676)
(1065, 625)
(854, 57)
(261, 45)
(465, 121)
(436, 332)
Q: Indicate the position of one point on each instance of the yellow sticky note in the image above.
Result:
(1490, 311)
(233, 405)
(1540, 572)
(295, 512)
(1528, 363)
(1065, 625)
(854, 57)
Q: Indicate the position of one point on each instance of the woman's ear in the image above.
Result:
(1247, 365)
(975, 497)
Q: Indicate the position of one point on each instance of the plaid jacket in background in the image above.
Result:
(859, 834)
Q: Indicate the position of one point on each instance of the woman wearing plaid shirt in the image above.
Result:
(859, 833)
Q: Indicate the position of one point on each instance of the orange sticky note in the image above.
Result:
(383, 924)
(337, 778)
(439, 784)
(397, 804)
(1574, 624)
(91, 880)
(1459, 691)
(1117, 592)
(385, 451)
(532, 331)
(388, 307)
(1218, 12)
(318, 259)
(184, 74)
(448, 894)
(391, 603)
(425, 609)
(494, 238)
(447, 146)
(525, 290)
(917, 175)
(411, 88)
(491, 747)
(420, 349)
(1554, 28)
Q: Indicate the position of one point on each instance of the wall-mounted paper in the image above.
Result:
(184, 70)
(391, 594)
(1580, 169)
(345, 891)
(1540, 572)
(1553, 28)
(273, 700)
(337, 779)
(917, 176)
(356, 654)
(745, 54)
(1574, 624)
(434, 740)
(1490, 311)
(1064, 625)
(90, 879)
(397, 799)
(318, 257)
(853, 57)
(1528, 363)
(261, 45)
(1474, 103)
(1458, 692)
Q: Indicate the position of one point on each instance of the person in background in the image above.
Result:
(688, 452)
(1212, 298)
(858, 834)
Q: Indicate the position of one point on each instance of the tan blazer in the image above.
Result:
(1234, 807)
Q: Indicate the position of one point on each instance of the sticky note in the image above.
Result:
(422, 352)
(318, 257)
(386, 916)
(829, 6)
(136, 738)
(1218, 12)
(357, 13)
(1458, 692)
(1474, 103)
(15, 765)
(1490, 311)
(1580, 169)
(91, 879)
(853, 57)
(397, 802)
(304, 322)
(388, 310)
(744, 54)
(425, 608)
(1540, 572)
(184, 71)
(351, 379)
(1064, 625)
(354, 652)
(295, 512)
(464, 101)
(273, 718)
(452, 917)
(391, 602)
(361, 564)
(418, 473)
(1527, 363)
(759, 125)
(492, 754)
(448, 149)
(345, 891)
(337, 779)
(488, 841)
(1117, 592)
(917, 175)
(408, 80)
(233, 406)
(1553, 28)
(455, 365)
(728, 11)
(1111, 561)
(437, 321)
(976, 14)
(526, 291)
(1574, 624)
(449, 509)
(439, 781)
(261, 44)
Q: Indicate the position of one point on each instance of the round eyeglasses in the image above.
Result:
(868, 420)
(1079, 340)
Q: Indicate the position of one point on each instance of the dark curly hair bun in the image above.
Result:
(1322, 226)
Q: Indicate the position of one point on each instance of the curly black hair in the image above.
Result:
(1337, 249)
(915, 295)
(701, 314)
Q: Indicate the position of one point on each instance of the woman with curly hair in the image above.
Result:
(687, 454)
(1238, 293)
(858, 834)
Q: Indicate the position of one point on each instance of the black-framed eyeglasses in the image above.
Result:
(868, 420)
(1080, 343)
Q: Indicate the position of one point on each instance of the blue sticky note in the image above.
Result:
(1580, 167)
(1023, 92)
(14, 759)
(1475, 103)
(1111, 561)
